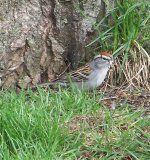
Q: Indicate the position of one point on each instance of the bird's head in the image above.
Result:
(103, 59)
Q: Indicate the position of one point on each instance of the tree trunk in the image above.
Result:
(40, 38)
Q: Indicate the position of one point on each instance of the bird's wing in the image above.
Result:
(79, 75)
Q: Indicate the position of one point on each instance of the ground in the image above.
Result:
(66, 125)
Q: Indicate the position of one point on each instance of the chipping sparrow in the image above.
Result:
(90, 76)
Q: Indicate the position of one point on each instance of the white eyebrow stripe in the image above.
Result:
(103, 56)
(98, 56)
(106, 57)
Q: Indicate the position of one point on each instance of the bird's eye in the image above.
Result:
(106, 59)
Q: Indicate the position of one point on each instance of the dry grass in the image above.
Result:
(135, 72)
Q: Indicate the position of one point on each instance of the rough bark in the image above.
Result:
(39, 38)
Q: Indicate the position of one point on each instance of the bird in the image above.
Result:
(88, 77)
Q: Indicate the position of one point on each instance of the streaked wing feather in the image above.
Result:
(79, 75)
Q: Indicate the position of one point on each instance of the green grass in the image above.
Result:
(127, 21)
(66, 125)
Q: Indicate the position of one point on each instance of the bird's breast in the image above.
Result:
(97, 77)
